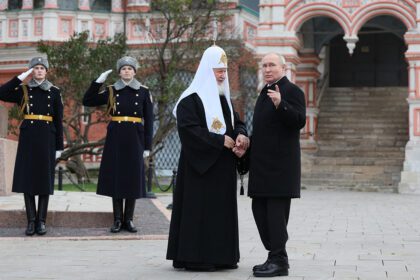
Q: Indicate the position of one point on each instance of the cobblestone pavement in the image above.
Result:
(333, 235)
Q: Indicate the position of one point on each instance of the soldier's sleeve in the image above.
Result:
(148, 121)
(11, 91)
(58, 121)
(93, 97)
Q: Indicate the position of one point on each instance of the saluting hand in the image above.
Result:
(103, 76)
(25, 74)
(229, 143)
(275, 96)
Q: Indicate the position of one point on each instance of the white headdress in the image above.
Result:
(205, 85)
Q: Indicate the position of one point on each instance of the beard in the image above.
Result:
(221, 89)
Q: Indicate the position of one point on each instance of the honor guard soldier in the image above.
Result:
(128, 139)
(40, 139)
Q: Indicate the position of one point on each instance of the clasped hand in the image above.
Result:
(239, 146)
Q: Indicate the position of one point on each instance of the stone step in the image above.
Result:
(353, 169)
(357, 153)
(362, 136)
(365, 115)
(326, 184)
(365, 161)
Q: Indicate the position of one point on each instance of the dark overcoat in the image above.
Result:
(121, 174)
(204, 224)
(275, 149)
(38, 140)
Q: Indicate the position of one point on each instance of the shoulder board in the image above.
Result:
(102, 92)
(144, 86)
(56, 87)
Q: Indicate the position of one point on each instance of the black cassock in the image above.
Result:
(38, 139)
(204, 224)
(121, 174)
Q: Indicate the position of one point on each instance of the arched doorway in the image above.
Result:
(378, 59)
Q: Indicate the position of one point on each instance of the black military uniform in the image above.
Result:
(121, 174)
(41, 135)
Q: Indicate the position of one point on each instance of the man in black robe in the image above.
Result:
(274, 174)
(204, 226)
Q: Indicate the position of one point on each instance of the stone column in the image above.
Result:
(50, 4)
(307, 76)
(27, 4)
(410, 176)
(8, 150)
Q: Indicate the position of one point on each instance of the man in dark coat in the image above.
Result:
(204, 225)
(274, 174)
(40, 139)
(128, 140)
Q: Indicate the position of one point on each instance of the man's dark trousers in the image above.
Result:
(271, 216)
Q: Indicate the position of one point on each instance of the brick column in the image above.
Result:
(307, 75)
(410, 176)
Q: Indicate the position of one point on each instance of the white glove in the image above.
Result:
(103, 76)
(58, 154)
(146, 153)
(25, 74)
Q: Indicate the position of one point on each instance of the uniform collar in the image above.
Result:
(134, 84)
(45, 85)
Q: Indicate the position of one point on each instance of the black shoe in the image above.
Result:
(271, 270)
(30, 230)
(129, 226)
(130, 204)
(30, 213)
(116, 227)
(261, 266)
(41, 229)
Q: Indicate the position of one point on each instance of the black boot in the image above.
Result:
(42, 214)
(117, 206)
(130, 204)
(30, 213)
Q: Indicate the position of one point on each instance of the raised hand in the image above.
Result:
(275, 96)
(103, 76)
(25, 74)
